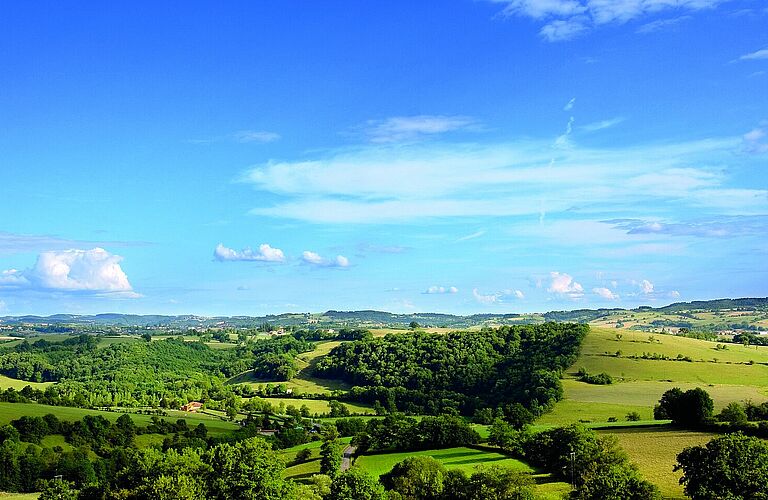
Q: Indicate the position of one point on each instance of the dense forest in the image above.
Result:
(162, 373)
(463, 371)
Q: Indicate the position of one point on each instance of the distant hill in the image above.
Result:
(371, 318)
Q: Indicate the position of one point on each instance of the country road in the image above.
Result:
(346, 460)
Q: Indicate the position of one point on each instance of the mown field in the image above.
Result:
(655, 453)
(7, 382)
(305, 470)
(320, 405)
(12, 411)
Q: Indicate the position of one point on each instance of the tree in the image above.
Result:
(416, 478)
(733, 466)
(356, 484)
(414, 325)
(58, 490)
(494, 482)
(615, 482)
(689, 408)
(248, 469)
(633, 416)
(330, 457)
(303, 455)
(734, 413)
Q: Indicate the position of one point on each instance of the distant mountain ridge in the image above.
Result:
(372, 317)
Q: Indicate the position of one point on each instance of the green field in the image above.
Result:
(639, 383)
(319, 405)
(655, 453)
(7, 382)
(18, 496)
(12, 411)
(462, 458)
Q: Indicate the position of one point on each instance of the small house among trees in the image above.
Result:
(192, 406)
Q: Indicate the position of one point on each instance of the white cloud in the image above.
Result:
(518, 294)
(601, 125)
(265, 253)
(3, 306)
(472, 236)
(758, 54)
(568, 18)
(564, 284)
(646, 287)
(569, 105)
(661, 24)
(605, 293)
(255, 136)
(484, 299)
(441, 290)
(90, 271)
(365, 185)
(317, 260)
(756, 140)
(674, 294)
(409, 128)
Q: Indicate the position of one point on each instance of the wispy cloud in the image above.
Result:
(11, 243)
(758, 54)
(569, 105)
(265, 253)
(364, 185)
(371, 248)
(567, 19)
(255, 136)
(722, 227)
(93, 271)
(602, 125)
(472, 236)
(317, 260)
(661, 24)
(410, 128)
(439, 290)
(756, 140)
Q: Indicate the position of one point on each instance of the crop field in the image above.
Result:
(655, 453)
(12, 411)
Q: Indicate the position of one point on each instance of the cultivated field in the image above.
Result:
(655, 453)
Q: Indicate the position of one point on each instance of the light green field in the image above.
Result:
(655, 453)
(380, 332)
(18, 496)
(106, 341)
(12, 411)
(641, 382)
(319, 405)
(7, 382)
(148, 440)
(462, 458)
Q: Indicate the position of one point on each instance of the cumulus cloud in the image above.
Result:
(605, 293)
(409, 128)
(566, 19)
(265, 253)
(441, 290)
(89, 271)
(564, 284)
(756, 140)
(484, 299)
(317, 260)
(646, 287)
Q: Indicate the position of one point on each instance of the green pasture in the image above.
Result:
(7, 382)
(319, 405)
(304, 470)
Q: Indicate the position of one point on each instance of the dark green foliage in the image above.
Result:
(58, 490)
(614, 482)
(599, 379)
(398, 432)
(633, 416)
(429, 373)
(729, 467)
(733, 413)
(689, 408)
(303, 455)
(330, 457)
(355, 484)
(416, 478)
(347, 426)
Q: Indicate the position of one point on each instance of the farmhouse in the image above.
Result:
(192, 406)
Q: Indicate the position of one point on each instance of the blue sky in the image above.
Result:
(454, 156)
